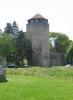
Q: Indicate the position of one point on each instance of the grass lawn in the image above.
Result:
(38, 84)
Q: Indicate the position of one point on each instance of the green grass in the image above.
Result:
(38, 83)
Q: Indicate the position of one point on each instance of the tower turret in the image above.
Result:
(37, 33)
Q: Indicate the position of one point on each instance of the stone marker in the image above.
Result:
(2, 69)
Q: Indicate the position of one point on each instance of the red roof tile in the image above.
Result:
(38, 16)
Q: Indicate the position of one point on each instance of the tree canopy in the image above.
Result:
(6, 45)
(61, 42)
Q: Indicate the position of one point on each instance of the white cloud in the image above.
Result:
(58, 12)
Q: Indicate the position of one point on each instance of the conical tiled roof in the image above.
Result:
(38, 16)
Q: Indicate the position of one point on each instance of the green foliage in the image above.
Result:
(6, 45)
(22, 48)
(8, 28)
(15, 28)
(70, 53)
(11, 29)
(61, 41)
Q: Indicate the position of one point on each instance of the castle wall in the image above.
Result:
(57, 59)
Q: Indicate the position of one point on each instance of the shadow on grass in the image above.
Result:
(3, 81)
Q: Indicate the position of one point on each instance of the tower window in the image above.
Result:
(36, 20)
(32, 21)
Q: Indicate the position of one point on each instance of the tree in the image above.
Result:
(12, 29)
(0, 32)
(8, 29)
(28, 50)
(69, 53)
(23, 48)
(6, 45)
(15, 28)
(61, 42)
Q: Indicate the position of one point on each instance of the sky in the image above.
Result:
(58, 12)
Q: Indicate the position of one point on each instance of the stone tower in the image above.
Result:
(37, 33)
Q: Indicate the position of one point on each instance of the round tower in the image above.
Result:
(38, 34)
